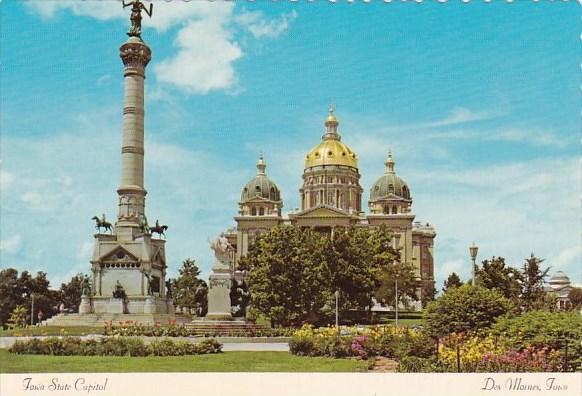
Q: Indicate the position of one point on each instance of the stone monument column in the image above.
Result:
(135, 55)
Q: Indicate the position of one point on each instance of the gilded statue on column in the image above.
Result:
(136, 8)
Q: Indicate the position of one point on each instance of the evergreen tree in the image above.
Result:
(532, 285)
(70, 293)
(188, 290)
(452, 281)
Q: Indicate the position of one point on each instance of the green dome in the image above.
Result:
(389, 183)
(260, 185)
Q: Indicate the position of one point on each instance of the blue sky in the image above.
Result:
(479, 102)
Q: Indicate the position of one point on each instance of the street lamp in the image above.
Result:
(336, 309)
(473, 250)
(32, 310)
(396, 299)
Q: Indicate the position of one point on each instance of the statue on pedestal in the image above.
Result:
(119, 291)
(86, 287)
(136, 8)
(102, 223)
(222, 250)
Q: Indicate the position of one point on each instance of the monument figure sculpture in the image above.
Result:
(102, 223)
(220, 279)
(136, 8)
(159, 229)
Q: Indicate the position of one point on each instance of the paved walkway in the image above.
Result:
(6, 342)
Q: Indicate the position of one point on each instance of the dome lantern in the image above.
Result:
(261, 165)
(389, 162)
(331, 125)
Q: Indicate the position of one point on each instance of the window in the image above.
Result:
(273, 195)
(261, 211)
(253, 211)
(405, 193)
(390, 188)
(394, 210)
(386, 210)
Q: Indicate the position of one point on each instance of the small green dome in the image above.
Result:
(260, 185)
(389, 183)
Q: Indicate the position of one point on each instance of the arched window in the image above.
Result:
(390, 188)
(261, 211)
(405, 192)
(386, 209)
(273, 194)
(258, 190)
(253, 211)
(394, 210)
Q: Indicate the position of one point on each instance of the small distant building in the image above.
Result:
(560, 285)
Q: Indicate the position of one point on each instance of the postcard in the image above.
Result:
(290, 198)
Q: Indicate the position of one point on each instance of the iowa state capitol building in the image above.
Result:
(331, 196)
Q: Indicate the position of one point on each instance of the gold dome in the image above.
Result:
(331, 152)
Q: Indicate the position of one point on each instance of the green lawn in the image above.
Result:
(223, 362)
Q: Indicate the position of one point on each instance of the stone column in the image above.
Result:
(135, 55)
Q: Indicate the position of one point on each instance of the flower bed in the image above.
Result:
(388, 341)
(490, 353)
(113, 346)
(133, 329)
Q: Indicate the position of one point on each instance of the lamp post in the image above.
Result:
(337, 309)
(396, 300)
(473, 250)
(32, 309)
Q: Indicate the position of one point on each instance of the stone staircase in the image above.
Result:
(223, 327)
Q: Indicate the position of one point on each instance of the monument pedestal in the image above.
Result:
(85, 306)
(219, 296)
(116, 306)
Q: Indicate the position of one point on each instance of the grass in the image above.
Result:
(52, 331)
(223, 362)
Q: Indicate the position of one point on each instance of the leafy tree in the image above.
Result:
(428, 293)
(10, 293)
(495, 275)
(465, 309)
(287, 275)
(294, 274)
(18, 317)
(70, 293)
(362, 264)
(407, 284)
(452, 281)
(533, 295)
(188, 290)
(575, 297)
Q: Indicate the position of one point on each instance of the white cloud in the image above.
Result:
(261, 27)
(204, 61)
(569, 256)
(206, 46)
(10, 245)
(6, 179)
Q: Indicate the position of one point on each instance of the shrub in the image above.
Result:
(559, 331)
(465, 309)
(528, 360)
(414, 364)
(113, 346)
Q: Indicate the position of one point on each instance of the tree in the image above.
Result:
(363, 264)
(10, 293)
(465, 309)
(239, 298)
(70, 293)
(428, 293)
(495, 275)
(287, 275)
(407, 284)
(575, 297)
(452, 281)
(45, 299)
(533, 295)
(188, 290)
(18, 317)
